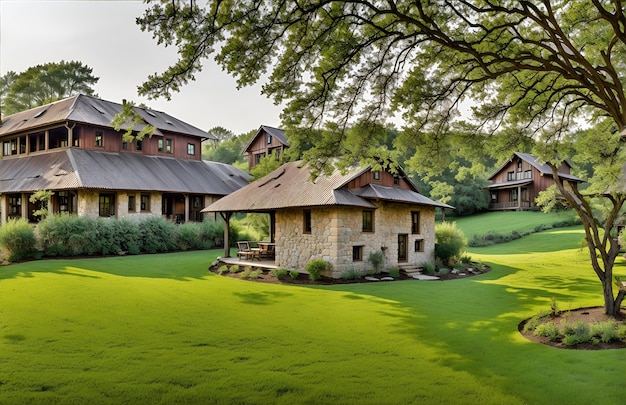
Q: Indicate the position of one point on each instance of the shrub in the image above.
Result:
(429, 268)
(234, 269)
(352, 274)
(606, 331)
(280, 274)
(533, 322)
(17, 236)
(158, 235)
(246, 273)
(222, 269)
(294, 274)
(449, 241)
(255, 274)
(466, 259)
(549, 330)
(376, 258)
(394, 272)
(443, 271)
(316, 267)
(579, 332)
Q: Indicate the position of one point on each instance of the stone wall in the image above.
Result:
(336, 230)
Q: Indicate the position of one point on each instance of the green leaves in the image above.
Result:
(43, 84)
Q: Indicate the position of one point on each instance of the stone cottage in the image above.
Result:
(341, 218)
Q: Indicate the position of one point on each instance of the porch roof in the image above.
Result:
(509, 184)
(78, 168)
(375, 191)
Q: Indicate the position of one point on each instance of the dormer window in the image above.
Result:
(396, 180)
(376, 174)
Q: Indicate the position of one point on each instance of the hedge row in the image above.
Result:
(71, 235)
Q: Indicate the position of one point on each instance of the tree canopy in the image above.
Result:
(43, 84)
(521, 72)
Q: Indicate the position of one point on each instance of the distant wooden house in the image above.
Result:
(518, 182)
(341, 218)
(267, 141)
(69, 147)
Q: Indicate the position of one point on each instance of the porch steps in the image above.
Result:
(411, 269)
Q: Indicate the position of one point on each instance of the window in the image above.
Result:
(15, 206)
(368, 221)
(160, 144)
(357, 253)
(191, 149)
(64, 201)
(145, 202)
(124, 145)
(377, 175)
(307, 221)
(99, 138)
(513, 196)
(22, 141)
(168, 146)
(419, 245)
(258, 157)
(415, 222)
(510, 176)
(396, 180)
(139, 145)
(528, 174)
(42, 141)
(6, 148)
(107, 205)
(132, 204)
(519, 166)
(269, 139)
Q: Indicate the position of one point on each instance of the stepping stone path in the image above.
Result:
(424, 277)
(369, 278)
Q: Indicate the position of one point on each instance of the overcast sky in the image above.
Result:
(103, 35)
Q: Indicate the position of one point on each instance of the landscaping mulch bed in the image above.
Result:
(303, 278)
(588, 315)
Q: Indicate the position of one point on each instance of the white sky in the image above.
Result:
(103, 35)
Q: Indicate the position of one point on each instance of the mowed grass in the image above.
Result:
(160, 329)
(504, 222)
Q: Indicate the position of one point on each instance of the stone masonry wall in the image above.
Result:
(336, 230)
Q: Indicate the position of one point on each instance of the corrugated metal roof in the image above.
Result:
(544, 169)
(275, 132)
(375, 191)
(78, 168)
(290, 186)
(93, 111)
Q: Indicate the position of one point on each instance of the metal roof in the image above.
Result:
(544, 169)
(94, 111)
(275, 132)
(375, 191)
(507, 184)
(291, 186)
(78, 168)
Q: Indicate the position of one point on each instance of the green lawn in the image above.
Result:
(508, 221)
(161, 329)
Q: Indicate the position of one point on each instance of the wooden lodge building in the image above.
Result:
(518, 182)
(69, 147)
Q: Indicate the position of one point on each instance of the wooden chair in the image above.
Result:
(245, 251)
(267, 251)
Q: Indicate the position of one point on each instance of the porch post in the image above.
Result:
(519, 198)
(226, 217)
(186, 208)
(272, 226)
(3, 208)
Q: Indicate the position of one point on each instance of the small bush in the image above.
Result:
(449, 241)
(294, 274)
(577, 333)
(394, 272)
(549, 330)
(376, 258)
(17, 236)
(443, 271)
(233, 269)
(255, 274)
(533, 322)
(316, 267)
(605, 331)
(466, 259)
(351, 274)
(222, 269)
(245, 274)
(280, 274)
(429, 268)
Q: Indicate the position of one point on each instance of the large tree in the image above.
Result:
(539, 70)
(44, 84)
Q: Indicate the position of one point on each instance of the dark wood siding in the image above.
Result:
(260, 146)
(386, 179)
